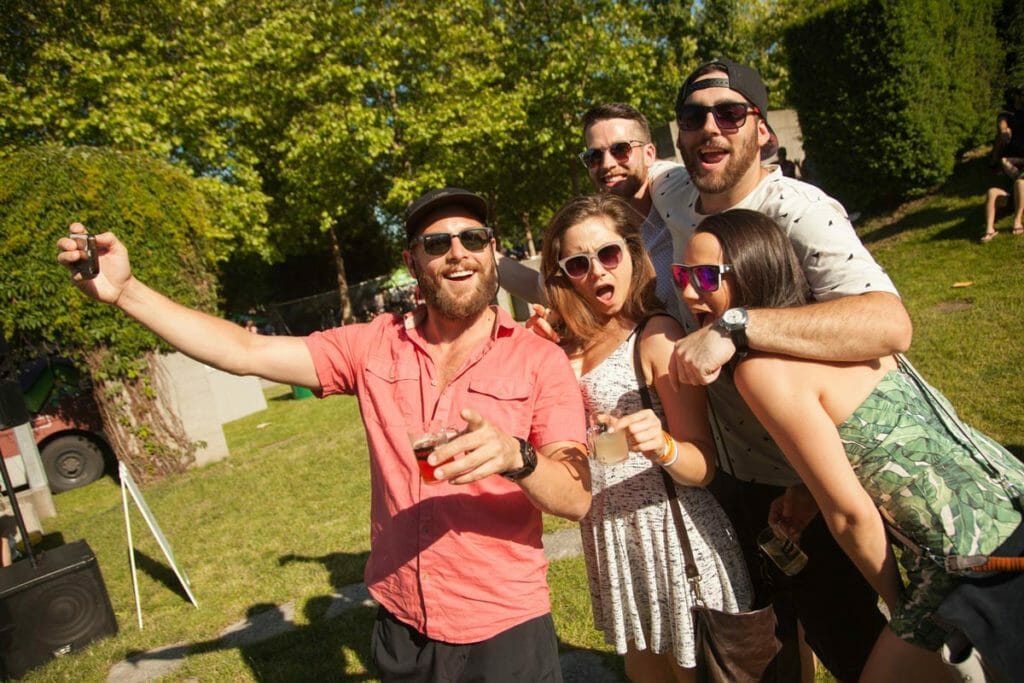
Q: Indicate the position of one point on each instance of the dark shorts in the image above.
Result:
(527, 652)
(830, 597)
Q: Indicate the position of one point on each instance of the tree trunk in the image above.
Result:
(345, 311)
(531, 250)
(146, 436)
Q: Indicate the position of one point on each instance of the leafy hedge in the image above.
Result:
(160, 214)
(152, 207)
(890, 91)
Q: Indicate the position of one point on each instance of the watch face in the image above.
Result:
(734, 316)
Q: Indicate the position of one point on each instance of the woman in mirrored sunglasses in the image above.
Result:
(601, 283)
(879, 449)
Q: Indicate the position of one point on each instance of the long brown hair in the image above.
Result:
(766, 271)
(579, 323)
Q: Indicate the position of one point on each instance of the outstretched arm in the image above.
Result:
(784, 394)
(851, 328)
(208, 339)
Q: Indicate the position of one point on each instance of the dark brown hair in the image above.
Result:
(766, 271)
(579, 323)
(616, 110)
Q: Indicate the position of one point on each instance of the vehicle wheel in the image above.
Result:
(72, 461)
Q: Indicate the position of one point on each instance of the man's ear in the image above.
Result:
(763, 136)
(650, 153)
(410, 263)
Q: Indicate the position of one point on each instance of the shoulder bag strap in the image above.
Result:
(956, 428)
(692, 573)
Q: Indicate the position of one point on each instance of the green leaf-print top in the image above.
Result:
(917, 465)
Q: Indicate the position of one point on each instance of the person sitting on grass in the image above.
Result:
(996, 198)
(872, 442)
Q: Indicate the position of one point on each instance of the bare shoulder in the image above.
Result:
(659, 337)
(661, 326)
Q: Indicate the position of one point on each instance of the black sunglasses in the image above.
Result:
(578, 265)
(728, 115)
(620, 150)
(438, 243)
(705, 278)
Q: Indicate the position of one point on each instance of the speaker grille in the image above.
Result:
(57, 607)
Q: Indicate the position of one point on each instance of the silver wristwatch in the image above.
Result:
(734, 322)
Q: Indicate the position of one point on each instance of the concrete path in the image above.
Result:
(578, 666)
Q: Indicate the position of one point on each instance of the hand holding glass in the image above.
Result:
(607, 444)
(786, 554)
(424, 438)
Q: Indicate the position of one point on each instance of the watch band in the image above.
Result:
(529, 456)
(739, 340)
(734, 323)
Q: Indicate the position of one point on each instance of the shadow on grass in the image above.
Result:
(275, 648)
(48, 542)
(158, 571)
(333, 646)
(971, 180)
(343, 569)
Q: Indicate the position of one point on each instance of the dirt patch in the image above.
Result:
(952, 306)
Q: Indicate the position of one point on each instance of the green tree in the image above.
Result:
(314, 123)
(751, 32)
(133, 76)
(168, 227)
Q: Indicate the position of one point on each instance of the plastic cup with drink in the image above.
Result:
(607, 444)
(424, 438)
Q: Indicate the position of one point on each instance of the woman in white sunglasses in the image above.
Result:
(599, 280)
(880, 451)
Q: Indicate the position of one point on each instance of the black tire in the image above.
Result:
(72, 461)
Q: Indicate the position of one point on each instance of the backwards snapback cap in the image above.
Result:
(739, 77)
(433, 200)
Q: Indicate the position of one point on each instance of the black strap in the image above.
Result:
(692, 573)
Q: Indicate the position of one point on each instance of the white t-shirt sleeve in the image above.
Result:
(835, 261)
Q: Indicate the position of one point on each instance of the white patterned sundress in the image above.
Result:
(635, 565)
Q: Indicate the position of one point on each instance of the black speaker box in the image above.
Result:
(13, 411)
(52, 609)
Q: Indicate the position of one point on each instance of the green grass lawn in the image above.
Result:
(285, 518)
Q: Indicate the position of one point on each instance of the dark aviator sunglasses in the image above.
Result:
(705, 278)
(728, 115)
(439, 243)
(593, 156)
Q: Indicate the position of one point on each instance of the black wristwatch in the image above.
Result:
(529, 462)
(734, 322)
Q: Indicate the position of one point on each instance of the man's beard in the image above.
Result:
(740, 159)
(465, 307)
(628, 188)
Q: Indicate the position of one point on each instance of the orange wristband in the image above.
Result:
(671, 452)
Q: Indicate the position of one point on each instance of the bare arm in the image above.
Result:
(208, 339)
(784, 394)
(560, 485)
(685, 411)
(851, 328)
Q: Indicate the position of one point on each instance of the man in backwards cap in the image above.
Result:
(458, 566)
(724, 135)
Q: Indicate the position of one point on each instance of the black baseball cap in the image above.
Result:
(433, 200)
(739, 77)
